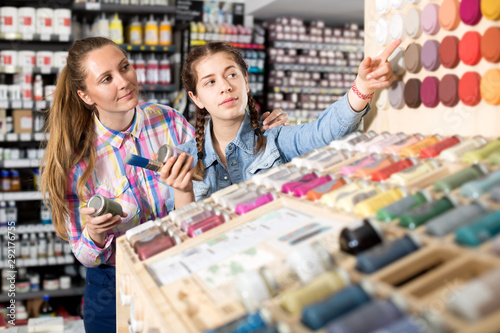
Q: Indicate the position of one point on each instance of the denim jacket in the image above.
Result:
(283, 144)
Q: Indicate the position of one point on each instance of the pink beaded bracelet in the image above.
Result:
(359, 94)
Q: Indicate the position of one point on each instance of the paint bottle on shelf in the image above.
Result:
(151, 32)
(135, 32)
(165, 75)
(116, 29)
(152, 71)
(165, 31)
(140, 69)
(38, 88)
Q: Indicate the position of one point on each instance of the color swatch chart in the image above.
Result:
(447, 68)
(400, 229)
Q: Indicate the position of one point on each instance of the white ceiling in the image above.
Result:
(333, 12)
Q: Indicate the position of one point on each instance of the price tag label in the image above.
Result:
(92, 6)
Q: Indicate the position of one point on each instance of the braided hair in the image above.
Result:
(189, 80)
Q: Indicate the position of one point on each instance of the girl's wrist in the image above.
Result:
(361, 90)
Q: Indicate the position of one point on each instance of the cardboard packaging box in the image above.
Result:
(23, 121)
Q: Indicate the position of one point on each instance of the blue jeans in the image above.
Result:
(99, 303)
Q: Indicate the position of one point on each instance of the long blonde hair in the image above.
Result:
(189, 80)
(72, 133)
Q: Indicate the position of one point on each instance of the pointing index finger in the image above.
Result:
(389, 49)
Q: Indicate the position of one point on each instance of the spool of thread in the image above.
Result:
(401, 206)
(459, 178)
(455, 218)
(438, 147)
(318, 192)
(479, 231)
(358, 237)
(420, 215)
(381, 255)
(476, 156)
(485, 292)
(369, 317)
(316, 290)
(317, 315)
(474, 189)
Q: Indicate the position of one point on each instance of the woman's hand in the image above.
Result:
(97, 227)
(273, 119)
(177, 172)
(374, 73)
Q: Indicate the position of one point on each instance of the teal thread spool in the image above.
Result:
(420, 215)
(474, 189)
(463, 176)
(455, 218)
(479, 231)
(104, 205)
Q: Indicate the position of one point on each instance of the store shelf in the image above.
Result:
(51, 38)
(74, 291)
(310, 90)
(21, 163)
(238, 45)
(29, 228)
(315, 68)
(121, 9)
(52, 261)
(24, 104)
(317, 46)
(25, 137)
(149, 48)
(21, 196)
(157, 87)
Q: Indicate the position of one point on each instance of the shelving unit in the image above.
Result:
(73, 291)
(89, 7)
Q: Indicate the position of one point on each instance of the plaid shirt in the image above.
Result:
(139, 191)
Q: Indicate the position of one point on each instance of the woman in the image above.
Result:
(94, 121)
(230, 147)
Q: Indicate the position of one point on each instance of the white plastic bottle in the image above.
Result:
(152, 71)
(11, 212)
(165, 31)
(38, 88)
(135, 32)
(103, 26)
(151, 32)
(140, 69)
(165, 72)
(116, 29)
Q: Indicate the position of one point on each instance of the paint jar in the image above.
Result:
(104, 206)
(9, 22)
(455, 218)
(478, 155)
(479, 231)
(384, 254)
(459, 178)
(370, 316)
(26, 22)
(371, 205)
(323, 285)
(44, 60)
(44, 21)
(8, 58)
(421, 214)
(358, 237)
(59, 59)
(317, 315)
(26, 60)
(455, 153)
(309, 261)
(62, 21)
(485, 293)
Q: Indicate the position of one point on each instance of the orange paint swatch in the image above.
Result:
(490, 87)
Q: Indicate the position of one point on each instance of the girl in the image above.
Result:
(229, 147)
(94, 121)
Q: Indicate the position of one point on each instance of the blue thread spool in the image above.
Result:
(246, 324)
(369, 317)
(318, 315)
(384, 254)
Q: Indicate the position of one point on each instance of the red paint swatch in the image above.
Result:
(469, 48)
(490, 44)
(448, 52)
(468, 88)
